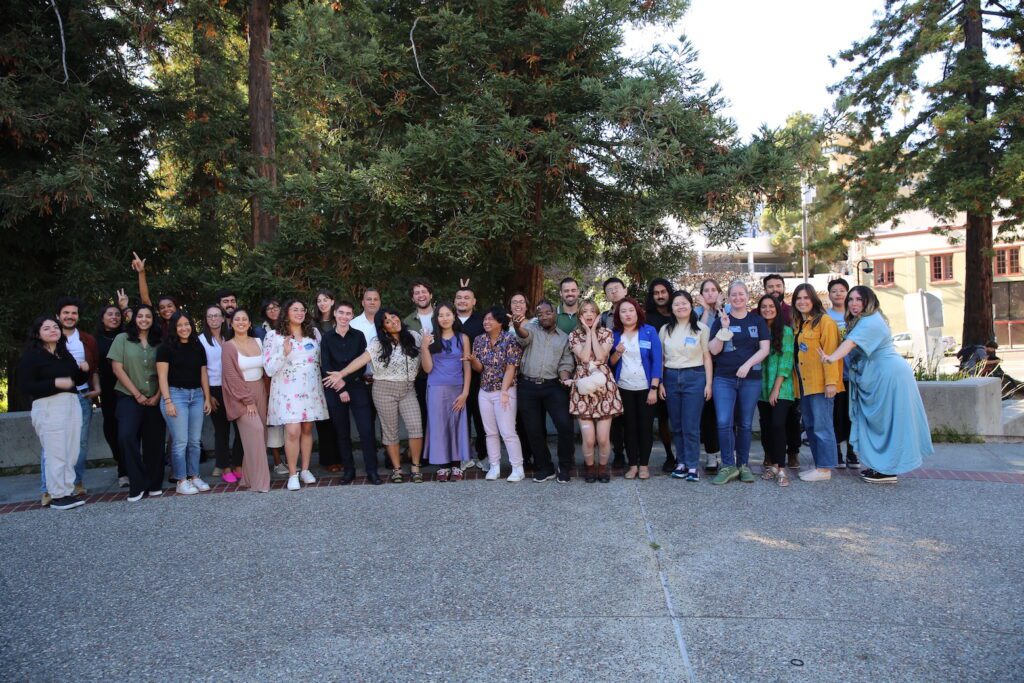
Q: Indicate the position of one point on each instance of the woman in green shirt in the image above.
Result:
(776, 391)
(140, 426)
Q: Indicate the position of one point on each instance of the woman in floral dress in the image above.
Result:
(292, 360)
(592, 345)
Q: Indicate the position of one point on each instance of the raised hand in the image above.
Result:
(428, 339)
(122, 299)
(138, 264)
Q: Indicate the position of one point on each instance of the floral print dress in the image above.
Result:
(296, 394)
(601, 404)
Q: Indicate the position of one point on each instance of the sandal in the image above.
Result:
(417, 476)
(645, 472)
(630, 473)
(783, 479)
(396, 476)
(769, 473)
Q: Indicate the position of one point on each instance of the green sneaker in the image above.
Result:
(725, 475)
(746, 476)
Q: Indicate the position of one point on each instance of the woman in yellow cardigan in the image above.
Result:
(814, 382)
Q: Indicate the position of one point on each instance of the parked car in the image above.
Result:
(904, 344)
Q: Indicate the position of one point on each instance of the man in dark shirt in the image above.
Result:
(473, 327)
(341, 345)
(775, 287)
(615, 291)
(659, 291)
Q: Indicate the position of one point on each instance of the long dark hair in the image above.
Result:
(718, 306)
(34, 341)
(155, 333)
(693, 312)
(172, 330)
(649, 304)
(207, 332)
(405, 339)
(230, 333)
(871, 305)
(330, 295)
(265, 304)
(438, 344)
(817, 310)
(283, 327)
(776, 326)
(102, 331)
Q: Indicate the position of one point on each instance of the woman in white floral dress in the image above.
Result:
(292, 360)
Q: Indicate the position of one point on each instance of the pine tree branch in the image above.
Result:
(63, 45)
(416, 57)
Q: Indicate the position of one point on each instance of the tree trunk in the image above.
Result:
(527, 276)
(978, 327)
(261, 116)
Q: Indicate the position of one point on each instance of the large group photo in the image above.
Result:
(512, 340)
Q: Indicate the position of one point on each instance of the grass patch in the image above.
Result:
(655, 546)
(950, 435)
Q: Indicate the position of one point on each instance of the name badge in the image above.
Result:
(803, 347)
(690, 341)
(645, 344)
(308, 346)
(752, 331)
(736, 329)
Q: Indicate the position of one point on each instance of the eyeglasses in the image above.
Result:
(214, 316)
(273, 307)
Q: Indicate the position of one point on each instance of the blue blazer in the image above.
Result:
(650, 352)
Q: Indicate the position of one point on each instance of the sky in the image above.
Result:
(770, 57)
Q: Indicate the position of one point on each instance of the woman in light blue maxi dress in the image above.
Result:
(889, 428)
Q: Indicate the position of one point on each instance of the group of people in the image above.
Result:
(446, 371)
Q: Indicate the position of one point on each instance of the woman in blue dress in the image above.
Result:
(889, 428)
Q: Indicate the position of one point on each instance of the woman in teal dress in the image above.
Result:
(889, 427)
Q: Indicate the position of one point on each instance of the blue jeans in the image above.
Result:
(684, 400)
(186, 429)
(817, 412)
(83, 446)
(735, 404)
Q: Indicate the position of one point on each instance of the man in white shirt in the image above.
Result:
(364, 322)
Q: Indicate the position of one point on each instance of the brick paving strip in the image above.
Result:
(335, 480)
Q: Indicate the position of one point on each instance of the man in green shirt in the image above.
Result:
(568, 310)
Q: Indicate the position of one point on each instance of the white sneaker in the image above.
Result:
(281, 469)
(469, 464)
(185, 488)
(517, 474)
(156, 494)
(493, 473)
(307, 477)
(200, 484)
(136, 498)
(293, 483)
(815, 475)
(123, 482)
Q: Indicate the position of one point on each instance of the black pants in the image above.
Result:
(534, 402)
(524, 439)
(475, 421)
(709, 428)
(664, 427)
(224, 457)
(793, 429)
(108, 406)
(327, 443)
(360, 408)
(841, 419)
(637, 426)
(773, 430)
(421, 395)
(141, 431)
(618, 438)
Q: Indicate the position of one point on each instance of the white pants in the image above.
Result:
(500, 425)
(57, 420)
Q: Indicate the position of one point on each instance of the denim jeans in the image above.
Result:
(186, 429)
(83, 446)
(735, 403)
(817, 412)
(684, 398)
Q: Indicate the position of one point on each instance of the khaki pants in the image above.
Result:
(57, 420)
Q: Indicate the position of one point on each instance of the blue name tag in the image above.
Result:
(645, 344)
(690, 341)
(735, 329)
(803, 347)
(308, 346)
(752, 331)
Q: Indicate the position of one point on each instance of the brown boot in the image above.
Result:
(604, 473)
(591, 476)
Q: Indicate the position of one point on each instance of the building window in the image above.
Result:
(1007, 261)
(942, 268)
(885, 272)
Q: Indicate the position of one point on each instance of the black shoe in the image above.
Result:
(711, 469)
(604, 474)
(669, 465)
(374, 480)
(875, 477)
(347, 478)
(852, 461)
(541, 477)
(66, 503)
(840, 463)
(619, 462)
(563, 477)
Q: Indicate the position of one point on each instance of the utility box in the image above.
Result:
(923, 311)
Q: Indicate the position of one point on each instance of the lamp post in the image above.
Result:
(863, 266)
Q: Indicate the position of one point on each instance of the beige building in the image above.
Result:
(909, 257)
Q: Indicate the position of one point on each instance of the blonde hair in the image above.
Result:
(583, 307)
(737, 283)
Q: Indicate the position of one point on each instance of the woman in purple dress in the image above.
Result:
(445, 358)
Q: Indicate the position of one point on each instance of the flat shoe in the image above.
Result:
(630, 473)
